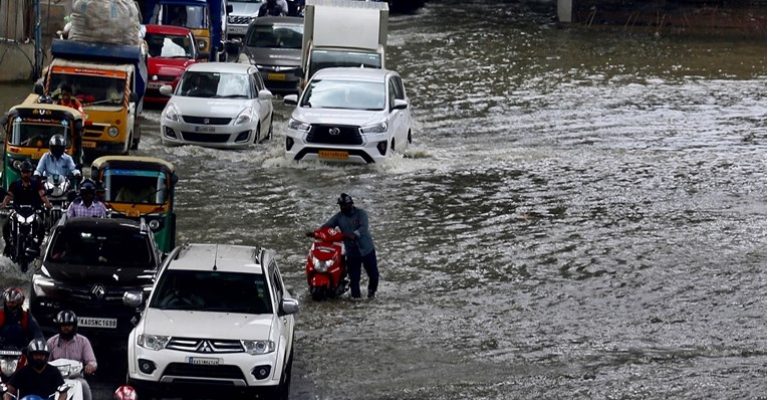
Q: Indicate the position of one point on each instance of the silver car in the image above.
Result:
(273, 45)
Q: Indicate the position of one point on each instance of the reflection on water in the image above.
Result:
(582, 214)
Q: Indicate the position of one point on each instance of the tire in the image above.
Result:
(136, 137)
(284, 388)
(317, 293)
(257, 136)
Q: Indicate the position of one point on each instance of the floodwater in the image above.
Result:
(582, 214)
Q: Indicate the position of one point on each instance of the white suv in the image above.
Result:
(219, 317)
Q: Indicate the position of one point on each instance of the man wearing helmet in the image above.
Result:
(17, 325)
(353, 222)
(25, 191)
(87, 205)
(56, 161)
(71, 345)
(37, 377)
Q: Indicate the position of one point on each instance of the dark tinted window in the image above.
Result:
(123, 248)
(325, 59)
(277, 36)
(212, 291)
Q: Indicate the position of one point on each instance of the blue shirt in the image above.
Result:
(356, 223)
(49, 165)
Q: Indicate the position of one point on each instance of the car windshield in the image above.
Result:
(327, 58)
(134, 186)
(193, 17)
(92, 90)
(37, 135)
(282, 36)
(211, 291)
(352, 95)
(215, 84)
(121, 248)
(161, 45)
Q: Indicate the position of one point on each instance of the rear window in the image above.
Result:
(234, 292)
(121, 248)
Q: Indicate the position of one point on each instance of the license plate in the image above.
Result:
(238, 30)
(208, 129)
(155, 85)
(271, 76)
(333, 154)
(91, 322)
(89, 145)
(202, 361)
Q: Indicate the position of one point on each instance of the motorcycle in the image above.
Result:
(10, 361)
(325, 269)
(72, 372)
(24, 240)
(60, 192)
(53, 396)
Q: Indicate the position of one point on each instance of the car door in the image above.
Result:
(286, 322)
(264, 106)
(395, 116)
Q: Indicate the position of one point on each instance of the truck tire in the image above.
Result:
(136, 137)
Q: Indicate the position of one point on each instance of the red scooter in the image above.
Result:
(325, 269)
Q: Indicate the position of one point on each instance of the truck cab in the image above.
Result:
(207, 19)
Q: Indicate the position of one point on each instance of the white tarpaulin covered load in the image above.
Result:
(105, 21)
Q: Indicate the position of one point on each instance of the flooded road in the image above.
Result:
(582, 214)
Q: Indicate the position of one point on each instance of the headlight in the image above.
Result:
(381, 127)
(297, 125)
(201, 44)
(154, 224)
(25, 220)
(8, 365)
(113, 131)
(170, 113)
(152, 342)
(41, 283)
(321, 266)
(254, 347)
(244, 117)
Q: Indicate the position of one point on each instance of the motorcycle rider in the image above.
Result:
(55, 161)
(71, 345)
(275, 8)
(36, 378)
(17, 325)
(24, 191)
(87, 205)
(353, 223)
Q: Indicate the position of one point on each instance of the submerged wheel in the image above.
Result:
(318, 294)
(269, 134)
(136, 138)
(257, 135)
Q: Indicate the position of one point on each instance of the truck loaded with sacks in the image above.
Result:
(103, 63)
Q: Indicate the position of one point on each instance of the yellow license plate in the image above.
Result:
(333, 154)
(275, 77)
(89, 145)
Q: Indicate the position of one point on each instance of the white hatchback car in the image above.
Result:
(350, 115)
(219, 318)
(221, 105)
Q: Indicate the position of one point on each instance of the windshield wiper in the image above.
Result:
(233, 96)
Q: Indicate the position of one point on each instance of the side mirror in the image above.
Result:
(289, 306)
(133, 299)
(400, 104)
(166, 90)
(265, 94)
(291, 99)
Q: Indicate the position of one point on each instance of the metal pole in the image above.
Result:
(38, 43)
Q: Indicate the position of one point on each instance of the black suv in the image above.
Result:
(102, 269)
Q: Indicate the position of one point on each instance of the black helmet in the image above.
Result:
(57, 144)
(88, 186)
(13, 294)
(66, 317)
(38, 345)
(27, 166)
(345, 199)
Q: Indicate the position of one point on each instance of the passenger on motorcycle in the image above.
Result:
(55, 161)
(71, 345)
(87, 205)
(17, 325)
(274, 8)
(37, 377)
(25, 191)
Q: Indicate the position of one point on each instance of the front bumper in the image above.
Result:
(217, 136)
(281, 81)
(374, 149)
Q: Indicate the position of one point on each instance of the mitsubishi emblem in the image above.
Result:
(334, 131)
(205, 347)
(98, 292)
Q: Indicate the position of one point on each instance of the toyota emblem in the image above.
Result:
(206, 121)
(334, 131)
(98, 292)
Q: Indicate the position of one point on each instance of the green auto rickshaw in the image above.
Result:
(28, 128)
(140, 188)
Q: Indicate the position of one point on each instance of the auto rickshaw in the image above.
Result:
(28, 128)
(140, 188)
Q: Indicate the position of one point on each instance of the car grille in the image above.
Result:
(204, 137)
(204, 371)
(202, 120)
(205, 345)
(327, 134)
(95, 292)
(239, 19)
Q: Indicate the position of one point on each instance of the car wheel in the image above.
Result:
(317, 293)
(257, 135)
(284, 389)
(410, 137)
(393, 144)
(136, 138)
(269, 134)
